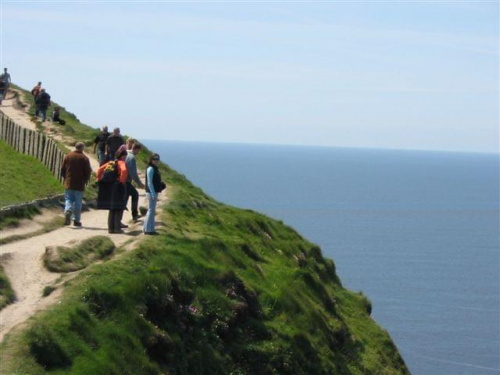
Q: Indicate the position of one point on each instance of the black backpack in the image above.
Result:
(110, 173)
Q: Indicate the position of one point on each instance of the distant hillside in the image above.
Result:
(221, 291)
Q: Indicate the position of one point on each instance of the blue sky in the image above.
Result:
(393, 74)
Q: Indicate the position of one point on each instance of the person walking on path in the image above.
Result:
(154, 186)
(100, 145)
(43, 102)
(113, 142)
(133, 176)
(76, 172)
(112, 189)
(35, 91)
(2, 90)
(5, 77)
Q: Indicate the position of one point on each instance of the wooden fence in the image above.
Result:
(32, 143)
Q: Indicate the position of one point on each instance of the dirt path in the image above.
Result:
(22, 260)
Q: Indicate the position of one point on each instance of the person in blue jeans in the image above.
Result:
(154, 186)
(100, 145)
(43, 103)
(76, 172)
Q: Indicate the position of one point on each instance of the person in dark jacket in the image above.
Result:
(154, 186)
(43, 103)
(56, 116)
(100, 145)
(112, 191)
(2, 90)
(133, 176)
(114, 141)
(76, 172)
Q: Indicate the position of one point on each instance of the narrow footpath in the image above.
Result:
(22, 260)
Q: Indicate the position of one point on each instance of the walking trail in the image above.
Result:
(22, 260)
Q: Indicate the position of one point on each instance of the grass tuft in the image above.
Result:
(7, 295)
(66, 259)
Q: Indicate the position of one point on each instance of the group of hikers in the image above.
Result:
(115, 177)
(42, 103)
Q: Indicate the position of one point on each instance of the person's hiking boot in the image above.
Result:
(67, 218)
(123, 225)
(77, 223)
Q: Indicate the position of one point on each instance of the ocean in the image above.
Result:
(416, 231)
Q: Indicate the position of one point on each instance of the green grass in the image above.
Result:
(6, 293)
(220, 291)
(47, 291)
(69, 259)
(73, 127)
(12, 219)
(48, 226)
(24, 178)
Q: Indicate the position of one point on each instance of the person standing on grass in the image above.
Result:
(100, 145)
(133, 176)
(113, 142)
(43, 103)
(112, 189)
(76, 172)
(154, 186)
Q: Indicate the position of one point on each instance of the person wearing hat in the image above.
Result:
(112, 189)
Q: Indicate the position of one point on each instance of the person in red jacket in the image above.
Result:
(76, 172)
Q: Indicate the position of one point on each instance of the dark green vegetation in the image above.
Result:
(69, 259)
(6, 292)
(220, 291)
(24, 178)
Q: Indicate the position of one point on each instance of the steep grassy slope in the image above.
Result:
(24, 178)
(220, 291)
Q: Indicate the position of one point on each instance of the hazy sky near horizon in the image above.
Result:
(381, 74)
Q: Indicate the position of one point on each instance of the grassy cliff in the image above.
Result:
(24, 178)
(221, 291)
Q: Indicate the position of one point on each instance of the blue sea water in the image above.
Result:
(417, 232)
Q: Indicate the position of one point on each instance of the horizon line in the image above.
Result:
(374, 148)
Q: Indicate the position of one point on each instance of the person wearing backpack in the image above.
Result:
(154, 186)
(112, 189)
